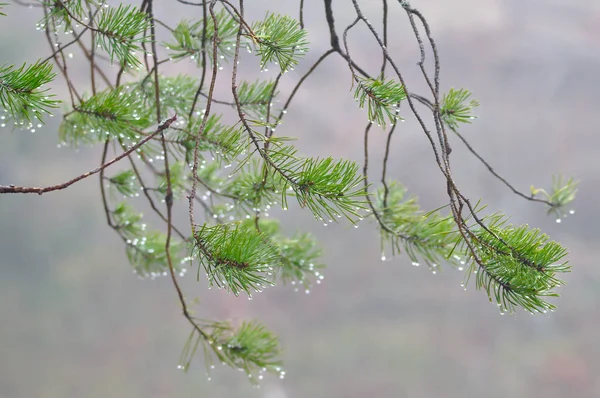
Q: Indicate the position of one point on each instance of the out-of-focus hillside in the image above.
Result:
(75, 322)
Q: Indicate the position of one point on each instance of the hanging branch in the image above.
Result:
(236, 172)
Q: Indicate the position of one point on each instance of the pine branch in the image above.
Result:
(279, 39)
(256, 96)
(112, 114)
(250, 348)
(299, 255)
(382, 97)
(455, 109)
(519, 269)
(187, 38)
(235, 257)
(428, 237)
(21, 92)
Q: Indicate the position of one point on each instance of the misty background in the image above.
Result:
(75, 321)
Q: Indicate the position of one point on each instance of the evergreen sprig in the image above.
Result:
(148, 256)
(382, 98)
(178, 176)
(187, 38)
(1, 7)
(145, 250)
(516, 265)
(250, 348)
(121, 33)
(67, 12)
(112, 114)
(455, 109)
(236, 257)
(562, 193)
(125, 183)
(299, 254)
(22, 93)
(255, 96)
(429, 237)
(253, 188)
(176, 93)
(225, 143)
(329, 188)
(279, 39)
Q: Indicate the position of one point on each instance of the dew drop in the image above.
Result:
(558, 220)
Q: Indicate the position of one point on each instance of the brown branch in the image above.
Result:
(16, 189)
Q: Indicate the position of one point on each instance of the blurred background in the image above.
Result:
(75, 321)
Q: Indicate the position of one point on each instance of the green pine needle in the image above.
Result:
(125, 183)
(425, 237)
(235, 257)
(516, 266)
(22, 93)
(111, 114)
(250, 348)
(279, 39)
(255, 96)
(121, 33)
(455, 109)
(381, 97)
(187, 38)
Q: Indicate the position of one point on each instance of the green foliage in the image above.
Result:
(279, 39)
(121, 33)
(145, 250)
(299, 254)
(329, 188)
(381, 97)
(562, 194)
(187, 38)
(250, 172)
(517, 265)
(250, 348)
(224, 142)
(428, 237)
(67, 12)
(176, 93)
(254, 97)
(148, 256)
(235, 257)
(128, 222)
(125, 183)
(178, 178)
(253, 188)
(1, 7)
(455, 109)
(111, 114)
(22, 93)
